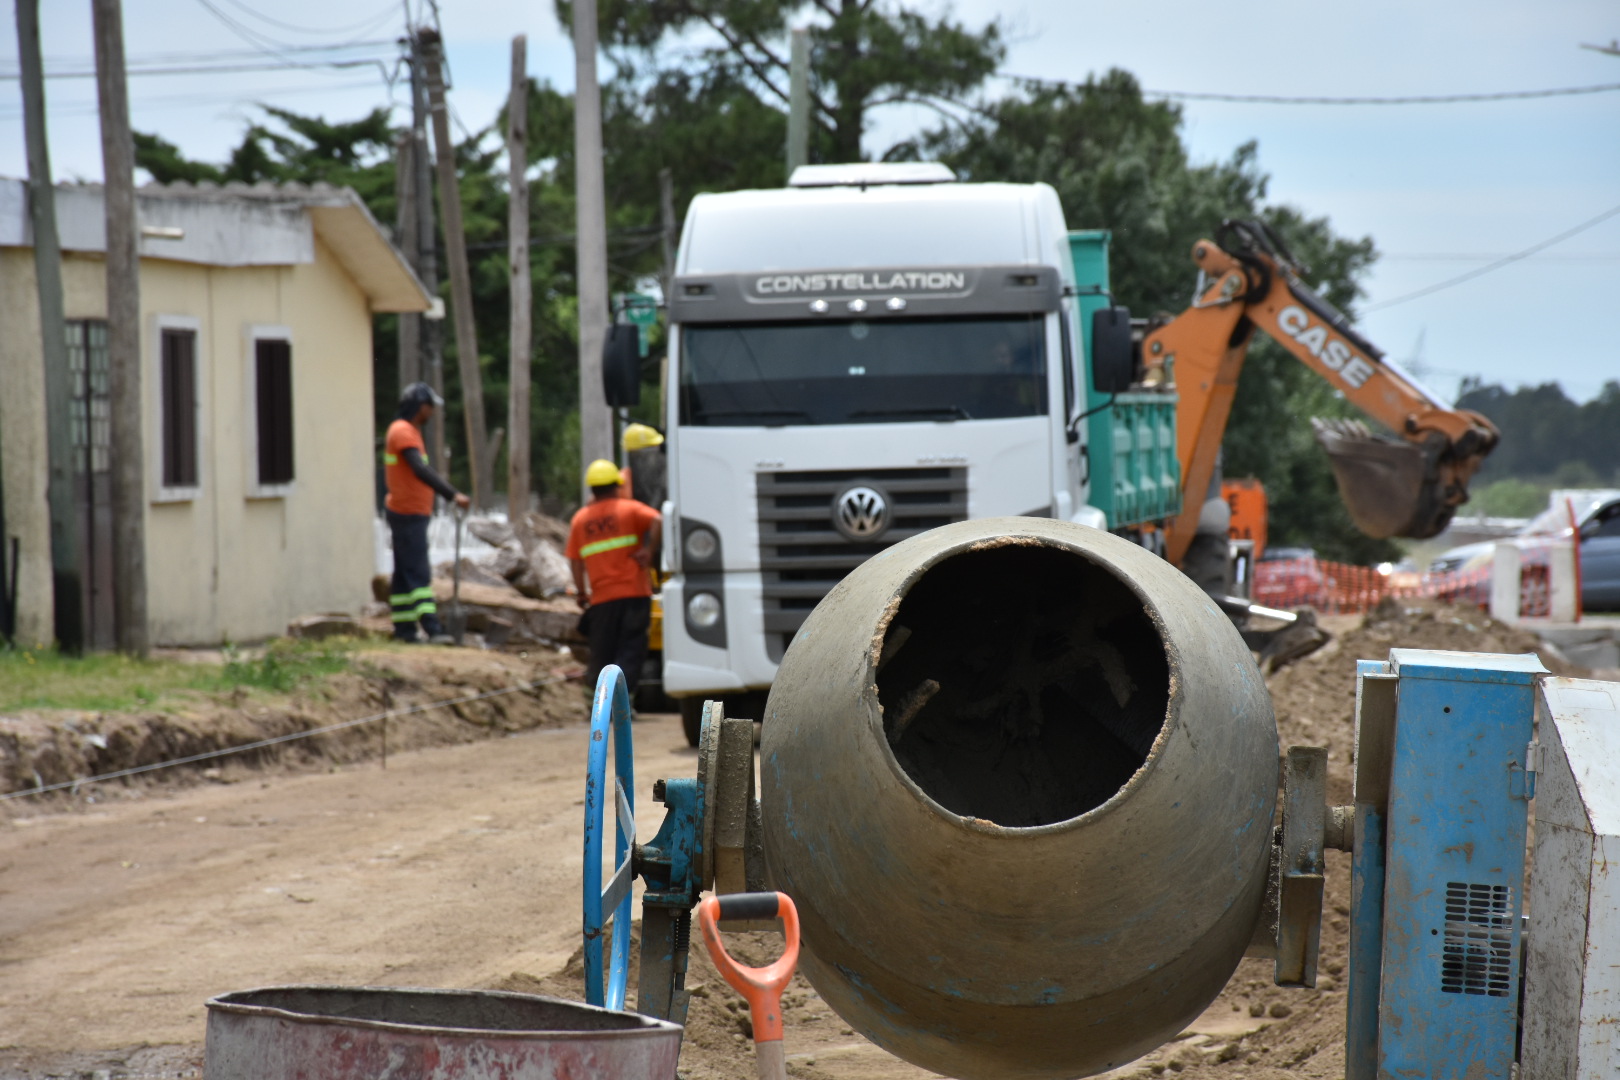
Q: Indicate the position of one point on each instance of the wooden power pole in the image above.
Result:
(427, 250)
(595, 422)
(798, 138)
(671, 234)
(410, 323)
(517, 228)
(123, 331)
(67, 592)
(455, 249)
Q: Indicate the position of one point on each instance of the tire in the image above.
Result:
(691, 718)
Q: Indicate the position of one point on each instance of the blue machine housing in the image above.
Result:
(1439, 863)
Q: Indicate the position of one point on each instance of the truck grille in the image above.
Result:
(802, 555)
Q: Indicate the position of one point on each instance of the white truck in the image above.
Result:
(872, 352)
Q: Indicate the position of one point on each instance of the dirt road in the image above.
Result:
(457, 867)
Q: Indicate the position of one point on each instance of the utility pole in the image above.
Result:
(798, 138)
(517, 228)
(410, 323)
(427, 249)
(595, 422)
(671, 234)
(67, 587)
(455, 249)
(123, 330)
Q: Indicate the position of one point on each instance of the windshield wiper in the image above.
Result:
(927, 412)
(786, 414)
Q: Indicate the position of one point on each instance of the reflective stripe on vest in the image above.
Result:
(390, 459)
(608, 545)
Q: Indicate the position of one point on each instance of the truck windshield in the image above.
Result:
(860, 372)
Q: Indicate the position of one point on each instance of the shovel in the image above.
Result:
(760, 987)
(455, 620)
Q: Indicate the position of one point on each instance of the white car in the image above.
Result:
(1599, 517)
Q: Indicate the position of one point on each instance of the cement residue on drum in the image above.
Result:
(1021, 685)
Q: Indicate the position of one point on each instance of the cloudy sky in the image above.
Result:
(1442, 189)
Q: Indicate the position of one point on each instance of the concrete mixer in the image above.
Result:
(1022, 780)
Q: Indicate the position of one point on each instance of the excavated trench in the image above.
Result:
(1022, 685)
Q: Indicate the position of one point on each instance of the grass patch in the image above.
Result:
(46, 679)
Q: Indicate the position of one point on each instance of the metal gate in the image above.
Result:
(92, 476)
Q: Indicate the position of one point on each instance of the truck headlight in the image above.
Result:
(703, 609)
(701, 545)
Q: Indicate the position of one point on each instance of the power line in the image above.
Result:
(260, 41)
(1274, 99)
(223, 69)
(381, 14)
(90, 108)
(1499, 263)
(217, 54)
(1432, 256)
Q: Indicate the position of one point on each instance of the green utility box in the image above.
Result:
(1134, 472)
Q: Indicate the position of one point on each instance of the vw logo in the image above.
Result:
(861, 513)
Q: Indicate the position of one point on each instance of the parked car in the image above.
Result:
(1599, 519)
(1600, 559)
(1286, 577)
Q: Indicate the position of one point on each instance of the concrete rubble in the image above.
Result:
(516, 587)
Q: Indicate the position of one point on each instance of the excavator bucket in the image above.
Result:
(1390, 486)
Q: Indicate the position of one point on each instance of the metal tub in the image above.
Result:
(338, 1032)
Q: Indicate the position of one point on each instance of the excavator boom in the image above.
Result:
(1405, 484)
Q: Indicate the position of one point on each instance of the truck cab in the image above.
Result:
(871, 352)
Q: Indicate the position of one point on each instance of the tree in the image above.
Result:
(1118, 162)
(866, 54)
(1548, 437)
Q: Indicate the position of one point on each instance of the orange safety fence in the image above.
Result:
(1343, 589)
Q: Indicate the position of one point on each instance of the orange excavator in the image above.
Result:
(1406, 483)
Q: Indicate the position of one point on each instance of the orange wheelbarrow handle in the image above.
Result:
(760, 987)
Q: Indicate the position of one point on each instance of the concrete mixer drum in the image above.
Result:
(1019, 776)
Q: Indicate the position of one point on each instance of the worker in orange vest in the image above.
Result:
(412, 484)
(611, 543)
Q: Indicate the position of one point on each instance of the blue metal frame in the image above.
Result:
(1366, 914)
(610, 712)
(1454, 863)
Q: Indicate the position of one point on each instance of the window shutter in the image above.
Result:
(273, 375)
(179, 393)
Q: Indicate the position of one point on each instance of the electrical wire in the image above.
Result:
(171, 63)
(172, 101)
(376, 17)
(262, 743)
(263, 42)
(1275, 99)
(1499, 263)
(224, 69)
(1428, 256)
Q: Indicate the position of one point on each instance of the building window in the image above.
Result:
(178, 390)
(272, 459)
(92, 395)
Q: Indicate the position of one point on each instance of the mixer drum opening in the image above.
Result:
(1021, 684)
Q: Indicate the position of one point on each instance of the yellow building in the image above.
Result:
(256, 387)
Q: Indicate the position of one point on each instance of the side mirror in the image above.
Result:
(1113, 367)
(621, 365)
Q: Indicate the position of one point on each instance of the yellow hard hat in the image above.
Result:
(640, 436)
(602, 473)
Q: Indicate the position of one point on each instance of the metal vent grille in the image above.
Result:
(803, 555)
(1478, 953)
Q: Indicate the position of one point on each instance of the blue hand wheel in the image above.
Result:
(611, 709)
